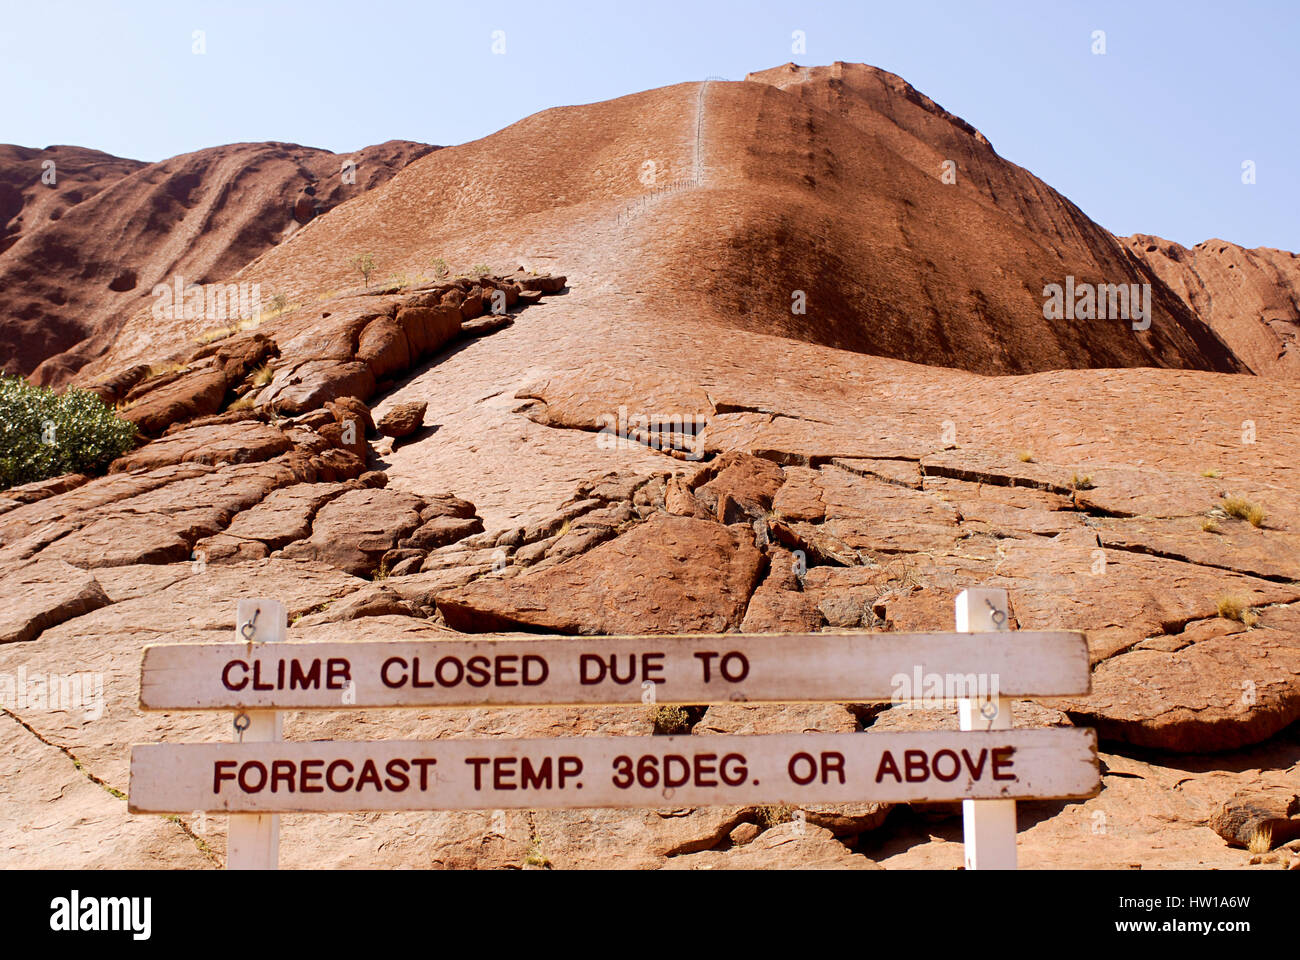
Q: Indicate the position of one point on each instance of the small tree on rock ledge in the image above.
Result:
(366, 264)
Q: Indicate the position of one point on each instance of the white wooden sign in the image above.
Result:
(988, 765)
(819, 667)
(612, 772)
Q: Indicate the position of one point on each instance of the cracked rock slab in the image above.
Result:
(1265, 813)
(791, 846)
(1233, 688)
(666, 575)
(1232, 545)
(286, 514)
(58, 818)
(353, 532)
(44, 595)
(240, 442)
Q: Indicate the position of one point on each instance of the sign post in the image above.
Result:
(253, 839)
(988, 826)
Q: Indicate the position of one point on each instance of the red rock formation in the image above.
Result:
(822, 194)
(72, 274)
(1250, 297)
(826, 484)
(37, 187)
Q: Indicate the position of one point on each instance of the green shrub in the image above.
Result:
(44, 434)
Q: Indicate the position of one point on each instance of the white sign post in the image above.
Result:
(988, 826)
(253, 840)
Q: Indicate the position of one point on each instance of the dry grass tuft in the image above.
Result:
(161, 369)
(1261, 840)
(770, 816)
(670, 721)
(1243, 509)
(215, 334)
(1234, 608)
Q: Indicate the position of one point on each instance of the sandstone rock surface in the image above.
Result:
(668, 575)
(913, 434)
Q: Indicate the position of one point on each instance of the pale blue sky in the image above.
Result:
(1148, 138)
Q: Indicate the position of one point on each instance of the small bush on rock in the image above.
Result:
(364, 264)
(44, 434)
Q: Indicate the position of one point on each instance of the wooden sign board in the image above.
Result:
(576, 772)
(819, 667)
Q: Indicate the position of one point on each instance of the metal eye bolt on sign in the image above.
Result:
(988, 765)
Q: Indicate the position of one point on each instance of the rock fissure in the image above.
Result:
(112, 791)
